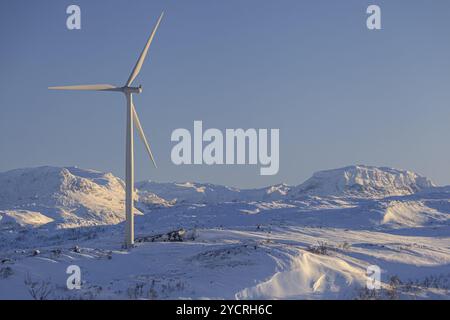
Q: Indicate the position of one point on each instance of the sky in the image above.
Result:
(339, 93)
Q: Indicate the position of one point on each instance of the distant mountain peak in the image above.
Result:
(366, 181)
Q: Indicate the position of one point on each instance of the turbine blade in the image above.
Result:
(90, 87)
(142, 135)
(140, 62)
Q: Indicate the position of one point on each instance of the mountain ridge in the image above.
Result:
(70, 196)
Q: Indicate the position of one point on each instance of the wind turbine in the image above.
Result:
(132, 119)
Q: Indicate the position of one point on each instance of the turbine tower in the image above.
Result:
(132, 120)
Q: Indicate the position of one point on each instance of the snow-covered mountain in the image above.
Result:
(353, 181)
(363, 181)
(189, 192)
(207, 193)
(68, 197)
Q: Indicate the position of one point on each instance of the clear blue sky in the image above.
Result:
(339, 93)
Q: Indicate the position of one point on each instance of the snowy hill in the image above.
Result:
(188, 192)
(363, 181)
(68, 197)
(207, 193)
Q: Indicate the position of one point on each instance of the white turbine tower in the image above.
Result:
(132, 119)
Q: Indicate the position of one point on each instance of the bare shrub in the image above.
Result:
(394, 288)
(368, 294)
(172, 236)
(6, 272)
(39, 290)
(136, 291)
(321, 248)
(346, 246)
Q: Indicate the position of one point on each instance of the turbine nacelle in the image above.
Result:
(130, 90)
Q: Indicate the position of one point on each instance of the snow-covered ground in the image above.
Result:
(202, 241)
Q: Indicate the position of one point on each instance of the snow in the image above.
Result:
(68, 197)
(364, 181)
(412, 214)
(23, 218)
(189, 192)
(311, 241)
